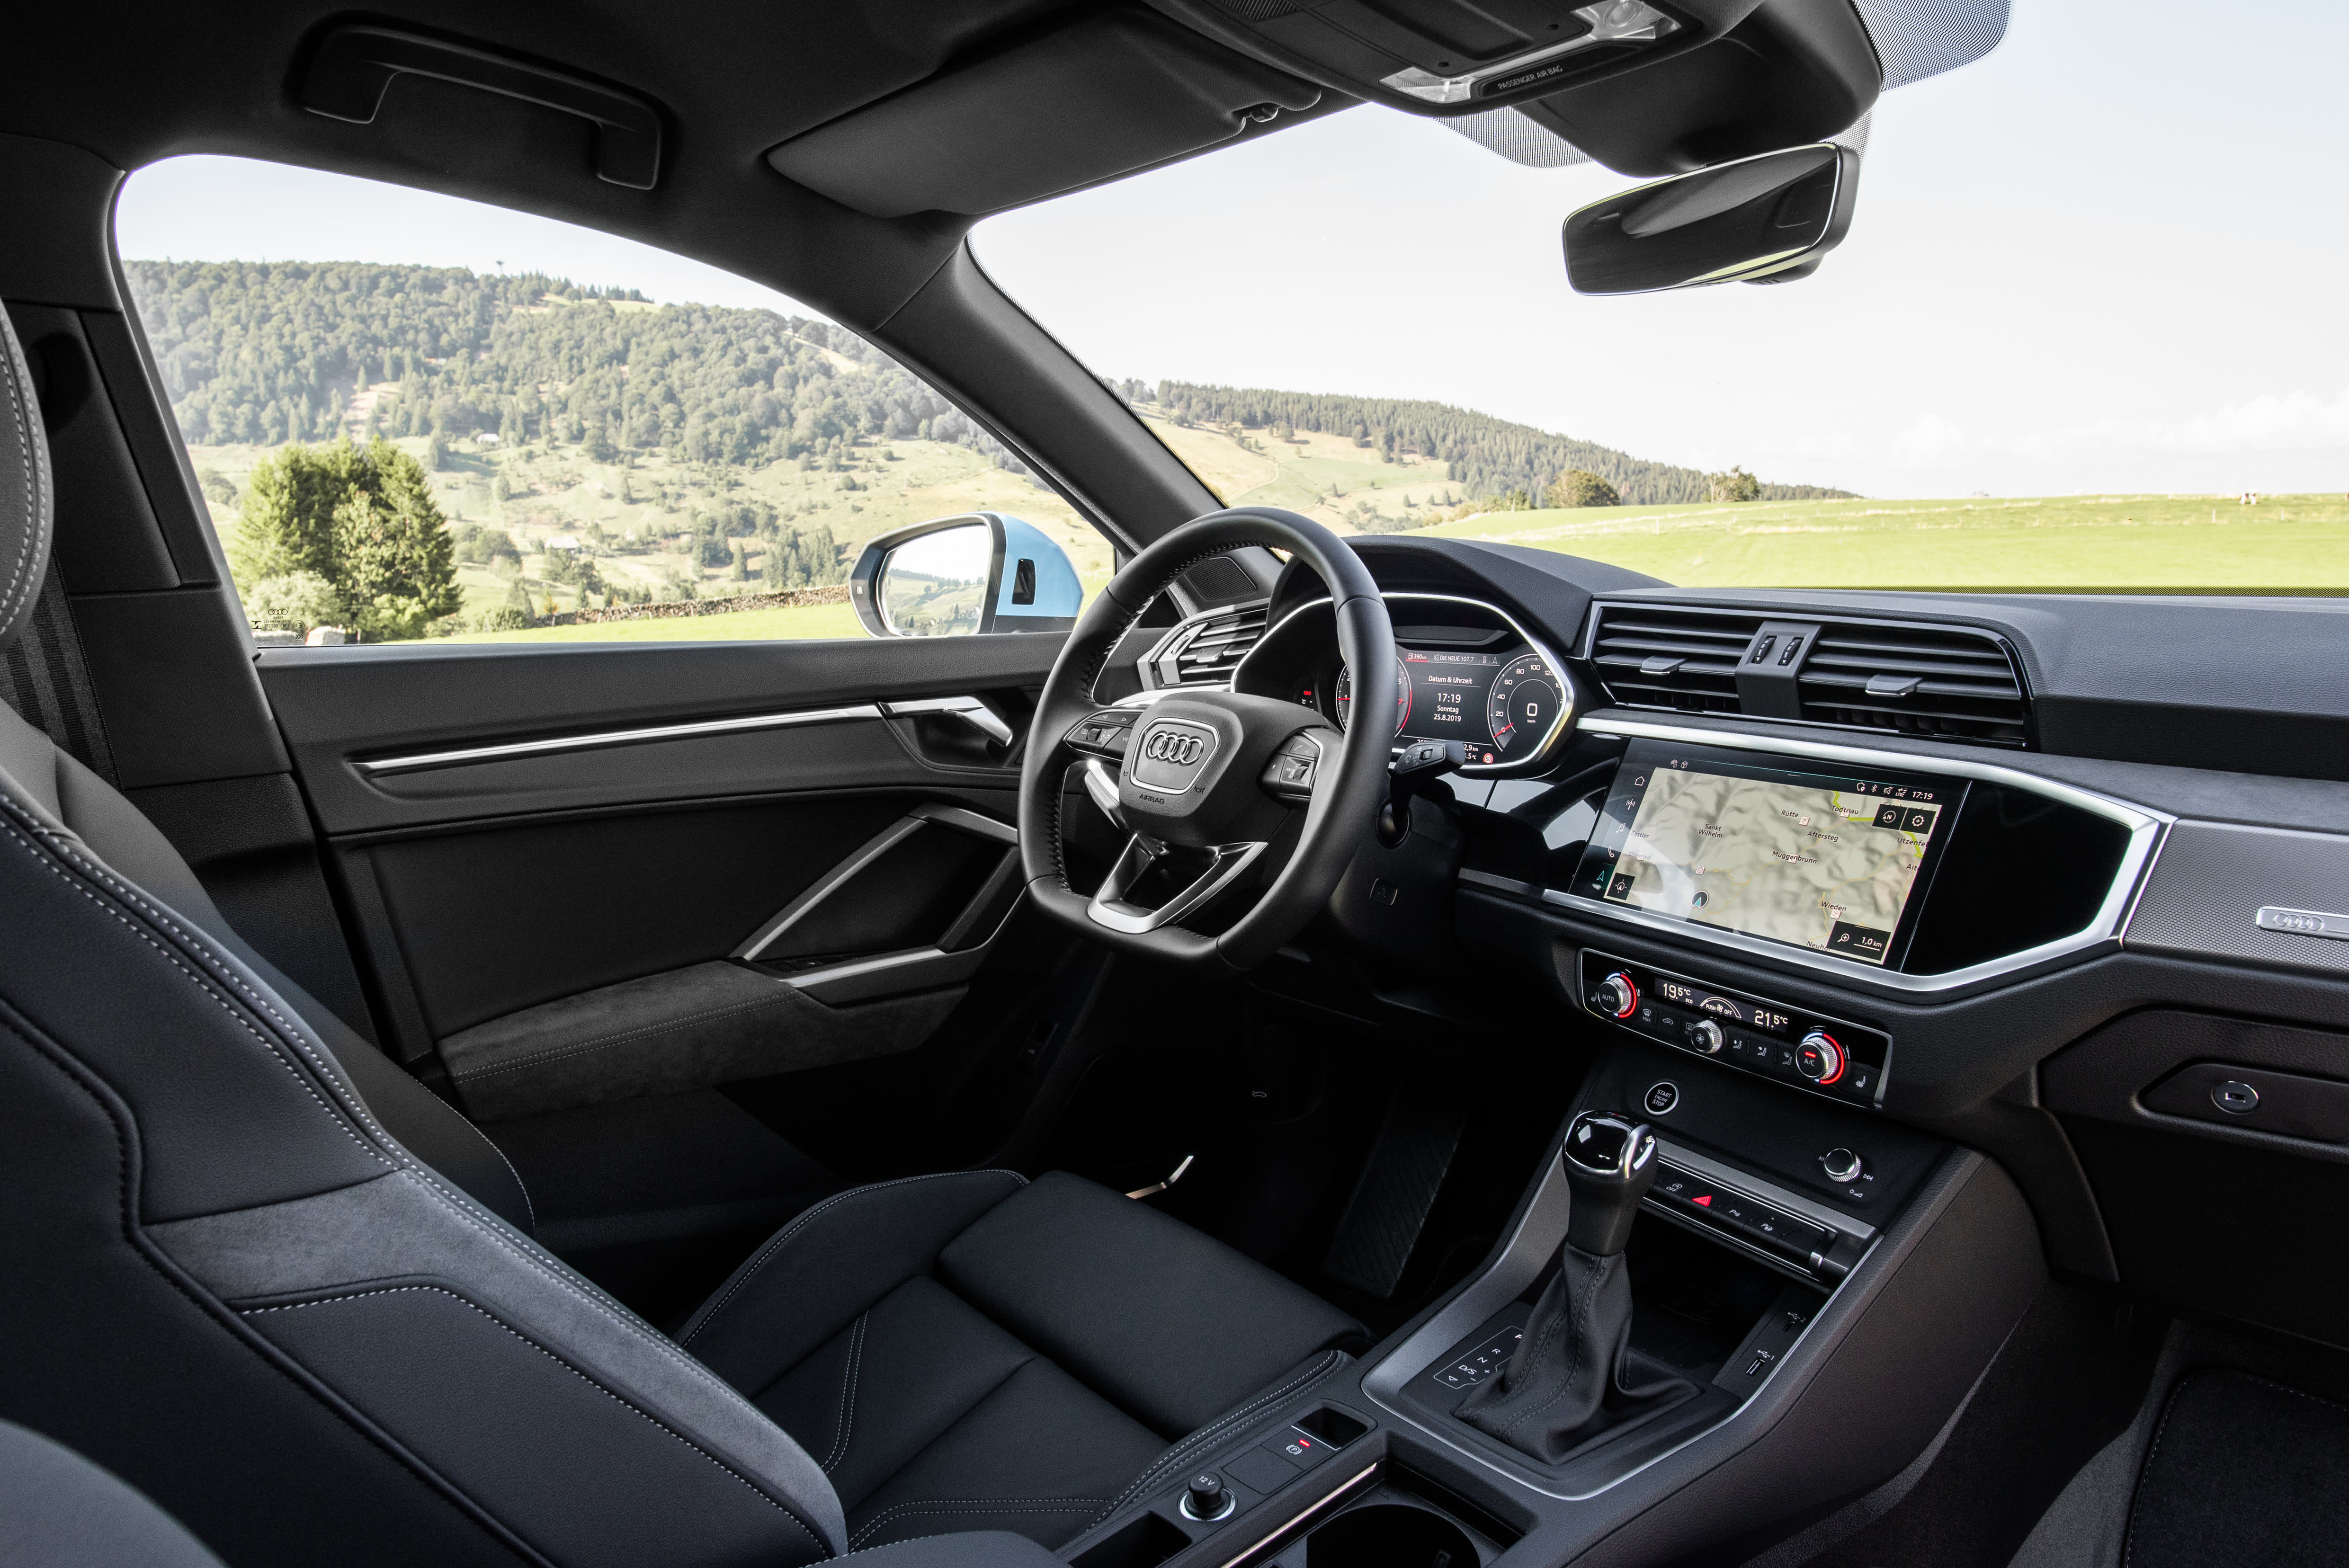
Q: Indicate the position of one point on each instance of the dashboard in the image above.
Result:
(2057, 877)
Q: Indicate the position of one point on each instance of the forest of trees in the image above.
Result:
(1486, 456)
(268, 352)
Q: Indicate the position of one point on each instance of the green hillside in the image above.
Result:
(684, 450)
(1477, 454)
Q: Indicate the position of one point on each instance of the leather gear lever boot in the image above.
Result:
(1570, 1377)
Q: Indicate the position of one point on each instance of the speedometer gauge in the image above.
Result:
(1344, 694)
(1524, 706)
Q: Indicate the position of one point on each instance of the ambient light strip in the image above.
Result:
(380, 765)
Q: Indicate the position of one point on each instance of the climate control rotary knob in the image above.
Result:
(1616, 995)
(1705, 1035)
(1819, 1058)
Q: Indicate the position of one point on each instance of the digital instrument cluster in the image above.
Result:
(1502, 709)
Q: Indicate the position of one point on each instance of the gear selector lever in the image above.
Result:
(1572, 1375)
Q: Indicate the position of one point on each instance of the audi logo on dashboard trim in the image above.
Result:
(1173, 745)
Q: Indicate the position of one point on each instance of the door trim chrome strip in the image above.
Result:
(598, 741)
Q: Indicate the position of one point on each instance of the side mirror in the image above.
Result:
(982, 572)
(1767, 219)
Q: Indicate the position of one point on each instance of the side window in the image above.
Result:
(493, 427)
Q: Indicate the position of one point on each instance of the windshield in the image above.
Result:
(2085, 333)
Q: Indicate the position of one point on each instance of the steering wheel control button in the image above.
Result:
(1661, 1099)
(1616, 996)
(1102, 735)
(2236, 1097)
(1819, 1058)
(1842, 1165)
(1290, 773)
(1779, 1040)
(1205, 1498)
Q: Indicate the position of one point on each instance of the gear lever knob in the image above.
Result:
(1610, 1162)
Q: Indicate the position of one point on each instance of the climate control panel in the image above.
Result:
(1844, 1060)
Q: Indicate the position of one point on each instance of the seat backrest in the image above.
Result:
(224, 1280)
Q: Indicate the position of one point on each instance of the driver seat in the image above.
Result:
(256, 1269)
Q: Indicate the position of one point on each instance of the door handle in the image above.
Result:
(354, 65)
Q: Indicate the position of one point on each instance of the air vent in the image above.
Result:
(1945, 683)
(1683, 660)
(1203, 651)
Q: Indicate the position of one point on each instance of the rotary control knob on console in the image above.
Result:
(1616, 995)
(1842, 1165)
(1705, 1035)
(1819, 1058)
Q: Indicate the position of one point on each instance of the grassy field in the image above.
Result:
(557, 492)
(2103, 543)
(1327, 478)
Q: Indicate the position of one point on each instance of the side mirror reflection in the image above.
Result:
(953, 576)
(1767, 219)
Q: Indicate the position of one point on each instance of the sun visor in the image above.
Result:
(1116, 91)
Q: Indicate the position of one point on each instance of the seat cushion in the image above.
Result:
(1167, 1322)
(970, 1351)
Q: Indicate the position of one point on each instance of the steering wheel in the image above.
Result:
(1212, 785)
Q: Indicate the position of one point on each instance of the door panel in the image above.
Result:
(542, 838)
(340, 707)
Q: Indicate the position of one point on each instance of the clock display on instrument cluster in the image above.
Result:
(1502, 706)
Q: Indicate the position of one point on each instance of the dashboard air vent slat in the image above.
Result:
(1203, 652)
(1957, 684)
(1683, 660)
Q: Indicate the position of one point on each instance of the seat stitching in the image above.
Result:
(776, 1243)
(973, 1505)
(528, 1207)
(71, 1068)
(555, 1052)
(33, 465)
(1166, 1461)
(846, 1422)
(204, 986)
(755, 1491)
(460, 1205)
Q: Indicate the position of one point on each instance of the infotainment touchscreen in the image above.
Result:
(1774, 847)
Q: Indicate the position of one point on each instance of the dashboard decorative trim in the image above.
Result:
(1541, 752)
(2145, 830)
(380, 765)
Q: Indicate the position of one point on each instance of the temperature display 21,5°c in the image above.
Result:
(1523, 706)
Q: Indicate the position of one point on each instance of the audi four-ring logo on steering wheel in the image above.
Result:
(1173, 745)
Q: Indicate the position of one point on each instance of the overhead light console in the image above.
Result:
(1452, 56)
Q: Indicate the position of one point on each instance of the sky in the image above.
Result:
(2110, 256)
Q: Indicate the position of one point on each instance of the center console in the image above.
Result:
(1802, 1290)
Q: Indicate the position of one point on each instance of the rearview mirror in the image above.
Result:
(952, 576)
(1759, 219)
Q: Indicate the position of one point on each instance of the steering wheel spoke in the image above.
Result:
(1101, 785)
(1153, 884)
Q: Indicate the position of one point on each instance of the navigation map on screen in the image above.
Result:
(1825, 863)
